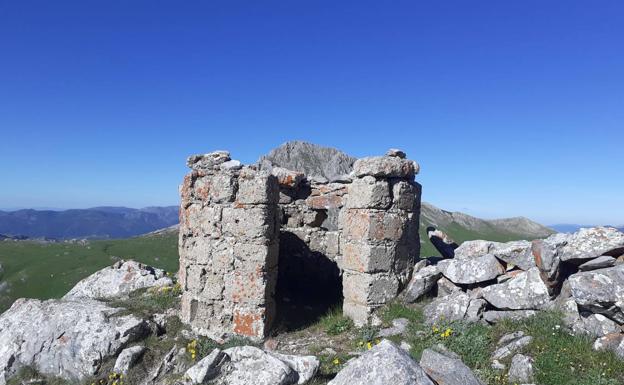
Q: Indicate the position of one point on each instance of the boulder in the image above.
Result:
(471, 249)
(601, 262)
(127, 359)
(526, 291)
(521, 369)
(207, 368)
(384, 364)
(592, 243)
(547, 255)
(386, 167)
(447, 369)
(421, 283)
(516, 253)
(613, 342)
(120, 279)
(450, 308)
(64, 338)
(304, 366)
(250, 365)
(471, 271)
(600, 291)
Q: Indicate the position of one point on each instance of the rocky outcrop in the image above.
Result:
(118, 280)
(310, 159)
(66, 338)
(384, 364)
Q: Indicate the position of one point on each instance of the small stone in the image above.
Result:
(207, 368)
(521, 369)
(396, 153)
(598, 263)
(497, 365)
(399, 325)
(494, 316)
(231, 165)
(512, 347)
(305, 366)
(127, 358)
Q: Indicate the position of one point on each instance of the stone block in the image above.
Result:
(385, 166)
(213, 287)
(325, 242)
(360, 314)
(250, 322)
(200, 220)
(404, 195)
(367, 192)
(362, 225)
(249, 223)
(248, 254)
(287, 178)
(366, 258)
(369, 289)
(195, 278)
(196, 312)
(223, 188)
(257, 187)
(246, 287)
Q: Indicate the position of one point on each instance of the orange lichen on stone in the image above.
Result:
(249, 323)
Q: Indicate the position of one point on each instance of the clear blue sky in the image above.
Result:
(511, 107)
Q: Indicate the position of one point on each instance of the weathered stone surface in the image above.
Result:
(613, 342)
(473, 270)
(442, 242)
(208, 161)
(494, 316)
(367, 192)
(120, 279)
(511, 344)
(471, 249)
(526, 291)
(521, 369)
(63, 338)
(127, 359)
(396, 152)
(405, 195)
(305, 366)
(207, 368)
(600, 291)
(445, 287)
(370, 289)
(515, 253)
(450, 308)
(311, 159)
(547, 256)
(287, 178)
(250, 365)
(592, 243)
(385, 166)
(399, 325)
(384, 364)
(475, 309)
(421, 283)
(601, 262)
(447, 369)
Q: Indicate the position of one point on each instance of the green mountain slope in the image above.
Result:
(462, 227)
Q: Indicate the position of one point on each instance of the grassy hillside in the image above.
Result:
(40, 270)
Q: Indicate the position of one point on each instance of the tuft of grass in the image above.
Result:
(335, 323)
(396, 309)
(29, 375)
(146, 302)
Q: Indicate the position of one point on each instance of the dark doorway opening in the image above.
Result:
(309, 285)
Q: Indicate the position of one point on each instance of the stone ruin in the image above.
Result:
(254, 240)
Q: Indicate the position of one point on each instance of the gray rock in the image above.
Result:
(547, 256)
(250, 365)
(470, 271)
(475, 309)
(494, 316)
(311, 159)
(592, 243)
(286, 177)
(305, 366)
(450, 308)
(598, 263)
(208, 161)
(511, 346)
(526, 291)
(399, 325)
(421, 283)
(385, 166)
(127, 358)
(442, 242)
(69, 339)
(447, 369)
(471, 249)
(521, 369)
(396, 152)
(367, 192)
(613, 342)
(600, 291)
(384, 364)
(497, 365)
(516, 253)
(231, 165)
(207, 368)
(510, 337)
(446, 287)
(122, 278)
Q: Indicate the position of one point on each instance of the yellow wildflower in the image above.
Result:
(336, 361)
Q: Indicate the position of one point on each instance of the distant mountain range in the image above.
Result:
(571, 227)
(93, 223)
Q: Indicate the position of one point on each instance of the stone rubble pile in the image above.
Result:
(581, 274)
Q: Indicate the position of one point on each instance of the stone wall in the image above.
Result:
(239, 223)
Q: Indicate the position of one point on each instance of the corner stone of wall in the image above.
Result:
(379, 227)
(228, 246)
